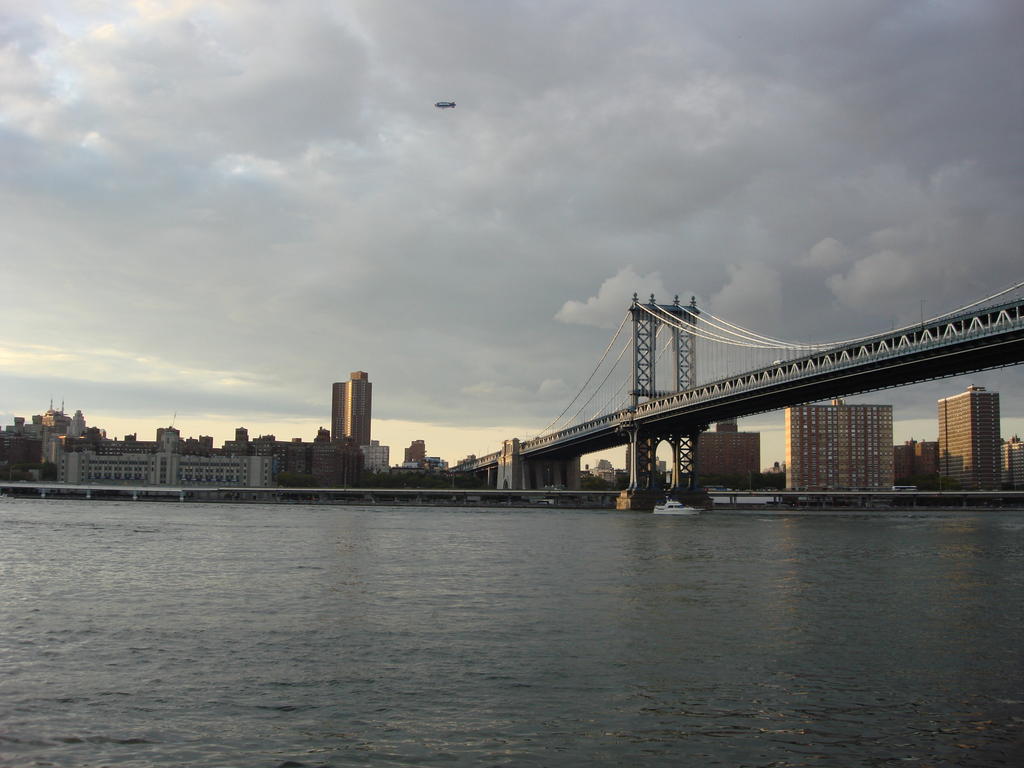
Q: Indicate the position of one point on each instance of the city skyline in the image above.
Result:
(198, 222)
(448, 442)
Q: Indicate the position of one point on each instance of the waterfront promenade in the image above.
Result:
(345, 496)
(721, 500)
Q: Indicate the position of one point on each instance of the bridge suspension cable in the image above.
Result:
(737, 335)
(763, 342)
(743, 338)
(617, 399)
(974, 303)
(611, 399)
(592, 374)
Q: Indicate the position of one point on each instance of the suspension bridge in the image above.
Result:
(681, 368)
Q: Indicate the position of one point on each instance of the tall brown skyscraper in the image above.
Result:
(350, 408)
(969, 442)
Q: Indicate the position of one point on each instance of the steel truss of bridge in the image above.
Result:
(980, 339)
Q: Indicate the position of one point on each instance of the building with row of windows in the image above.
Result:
(827, 447)
(1013, 463)
(351, 418)
(36, 440)
(19, 449)
(331, 462)
(166, 465)
(850, 446)
(970, 449)
(376, 457)
(839, 446)
(415, 453)
(727, 451)
(243, 462)
(915, 459)
(351, 403)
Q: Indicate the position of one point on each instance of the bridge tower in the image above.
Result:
(647, 319)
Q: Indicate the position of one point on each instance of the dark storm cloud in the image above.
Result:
(267, 188)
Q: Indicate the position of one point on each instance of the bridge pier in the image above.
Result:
(563, 474)
(686, 459)
(645, 501)
(646, 485)
(632, 500)
(643, 462)
(515, 473)
(679, 451)
(509, 475)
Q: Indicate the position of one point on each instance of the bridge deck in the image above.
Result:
(991, 337)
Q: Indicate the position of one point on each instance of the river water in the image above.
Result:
(169, 634)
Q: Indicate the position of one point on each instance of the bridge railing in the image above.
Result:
(478, 463)
(945, 332)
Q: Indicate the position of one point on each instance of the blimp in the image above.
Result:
(445, 104)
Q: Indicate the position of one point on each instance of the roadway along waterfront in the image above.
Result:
(763, 500)
(360, 496)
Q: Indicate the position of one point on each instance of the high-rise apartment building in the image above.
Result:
(969, 442)
(1013, 463)
(350, 408)
(839, 446)
(338, 409)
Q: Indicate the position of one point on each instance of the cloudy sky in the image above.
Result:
(216, 209)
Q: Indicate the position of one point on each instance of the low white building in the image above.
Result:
(376, 457)
(165, 466)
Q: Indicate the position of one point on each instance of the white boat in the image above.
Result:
(674, 507)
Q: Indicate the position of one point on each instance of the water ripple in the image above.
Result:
(168, 635)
